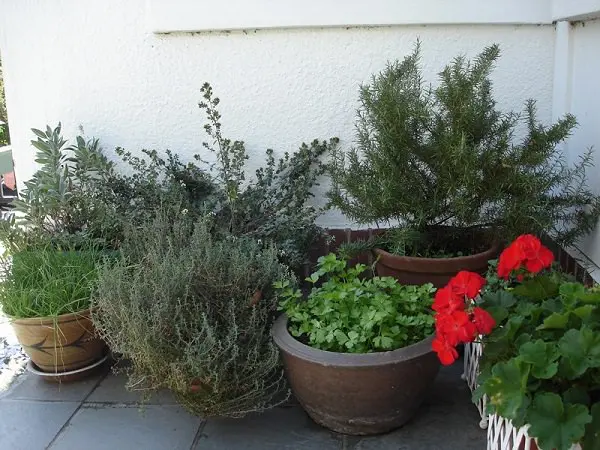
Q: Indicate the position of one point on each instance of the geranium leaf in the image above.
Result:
(592, 430)
(510, 328)
(499, 313)
(555, 321)
(538, 288)
(584, 311)
(507, 389)
(580, 350)
(554, 424)
(499, 298)
(542, 356)
(570, 292)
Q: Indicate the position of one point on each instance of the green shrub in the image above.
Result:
(193, 314)
(274, 205)
(47, 282)
(446, 155)
(62, 203)
(349, 313)
(78, 194)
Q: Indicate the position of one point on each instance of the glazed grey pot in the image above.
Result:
(357, 393)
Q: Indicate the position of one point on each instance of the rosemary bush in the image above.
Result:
(193, 314)
(428, 156)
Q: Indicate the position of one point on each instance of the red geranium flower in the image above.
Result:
(528, 251)
(447, 354)
(456, 327)
(467, 283)
(510, 259)
(447, 301)
(483, 320)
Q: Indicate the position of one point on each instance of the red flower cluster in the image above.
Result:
(457, 319)
(525, 252)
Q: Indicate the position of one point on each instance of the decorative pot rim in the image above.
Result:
(31, 367)
(286, 342)
(61, 318)
(494, 248)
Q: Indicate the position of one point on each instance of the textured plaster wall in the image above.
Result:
(97, 64)
(584, 94)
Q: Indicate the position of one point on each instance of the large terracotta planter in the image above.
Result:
(60, 344)
(357, 394)
(438, 271)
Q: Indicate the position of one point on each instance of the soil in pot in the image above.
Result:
(60, 344)
(358, 394)
(472, 247)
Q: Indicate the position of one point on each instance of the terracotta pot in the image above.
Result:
(438, 271)
(358, 394)
(60, 344)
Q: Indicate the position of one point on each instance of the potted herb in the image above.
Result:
(540, 366)
(439, 170)
(357, 351)
(46, 294)
(193, 314)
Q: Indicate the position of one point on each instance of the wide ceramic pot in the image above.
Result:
(357, 394)
(438, 271)
(60, 344)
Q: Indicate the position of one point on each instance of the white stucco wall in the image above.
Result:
(99, 65)
(581, 97)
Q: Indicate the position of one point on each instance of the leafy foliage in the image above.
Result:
(274, 205)
(62, 201)
(349, 313)
(77, 194)
(193, 314)
(541, 365)
(428, 156)
(47, 282)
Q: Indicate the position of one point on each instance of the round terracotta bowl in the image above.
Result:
(357, 393)
(60, 344)
(438, 271)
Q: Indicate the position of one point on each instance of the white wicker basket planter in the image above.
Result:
(502, 435)
(473, 352)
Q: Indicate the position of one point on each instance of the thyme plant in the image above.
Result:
(447, 156)
(193, 314)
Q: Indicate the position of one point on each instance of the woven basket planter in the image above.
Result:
(502, 435)
(473, 352)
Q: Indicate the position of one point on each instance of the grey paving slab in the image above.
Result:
(112, 389)
(31, 387)
(106, 427)
(283, 428)
(446, 421)
(27, 425)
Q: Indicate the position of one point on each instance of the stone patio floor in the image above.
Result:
(99, 413)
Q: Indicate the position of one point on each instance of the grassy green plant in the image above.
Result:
(447, 156)
(352, 314)
(48, 282)
(193, 314)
